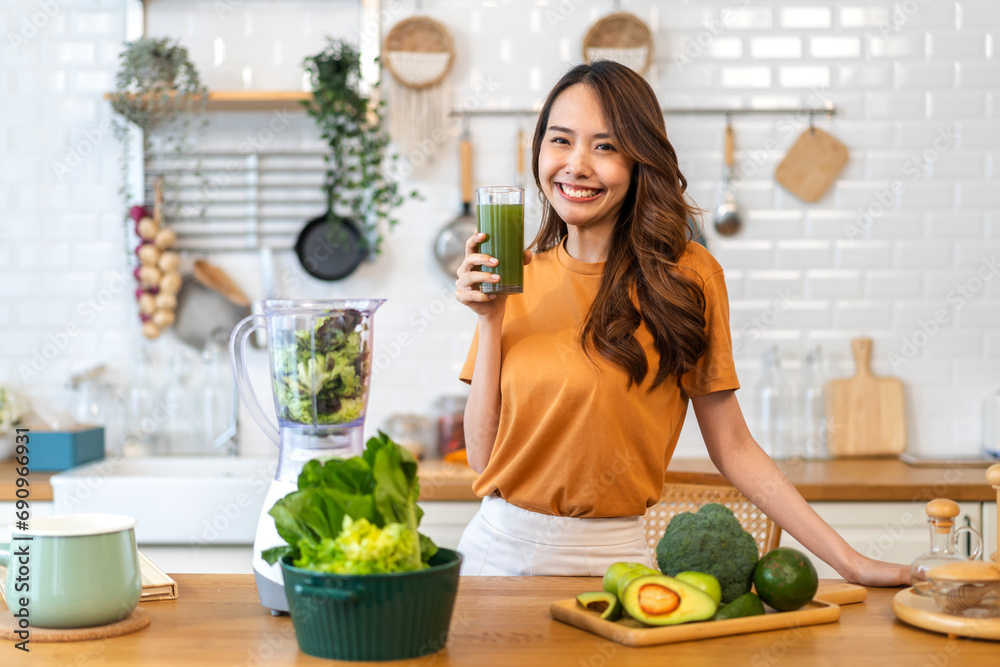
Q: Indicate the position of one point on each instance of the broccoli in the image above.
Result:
(711, 541)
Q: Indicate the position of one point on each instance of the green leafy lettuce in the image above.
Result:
(356, 515)
(320, 372)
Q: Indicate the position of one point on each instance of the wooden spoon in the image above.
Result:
(215, 278)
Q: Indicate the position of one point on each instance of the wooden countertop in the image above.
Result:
(874, 479)
(499, 621)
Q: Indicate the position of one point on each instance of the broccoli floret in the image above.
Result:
(711, 541)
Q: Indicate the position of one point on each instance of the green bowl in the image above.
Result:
(374, 616)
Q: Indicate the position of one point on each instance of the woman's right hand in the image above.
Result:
(470, 276)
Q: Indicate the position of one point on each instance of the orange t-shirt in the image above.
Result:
(571, 440)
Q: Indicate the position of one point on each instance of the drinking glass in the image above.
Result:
(500, 215)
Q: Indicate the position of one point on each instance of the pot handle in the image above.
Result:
(327, 593)
(238, 356)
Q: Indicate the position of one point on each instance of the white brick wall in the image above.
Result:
(898, 76)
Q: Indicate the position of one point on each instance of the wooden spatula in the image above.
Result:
(812, 164)
(866, 413)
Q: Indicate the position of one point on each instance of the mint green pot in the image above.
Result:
(72, 570)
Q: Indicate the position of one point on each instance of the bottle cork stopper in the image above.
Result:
(943, 512)
(993, 475)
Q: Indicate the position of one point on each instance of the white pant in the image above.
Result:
(503, 539)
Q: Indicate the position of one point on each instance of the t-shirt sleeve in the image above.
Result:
(470, 360)
(715, 370)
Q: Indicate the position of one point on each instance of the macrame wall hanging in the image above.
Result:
(621, 37)
(418, 52)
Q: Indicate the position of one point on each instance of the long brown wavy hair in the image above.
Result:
(642, 281)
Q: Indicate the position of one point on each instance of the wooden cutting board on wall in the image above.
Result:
(866, 414)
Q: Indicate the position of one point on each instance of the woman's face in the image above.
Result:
(581, 172)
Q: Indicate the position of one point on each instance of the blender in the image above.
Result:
(320, 357)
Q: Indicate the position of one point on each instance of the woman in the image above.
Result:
(579, 386)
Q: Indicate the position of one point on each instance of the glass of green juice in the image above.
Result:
(500, 215)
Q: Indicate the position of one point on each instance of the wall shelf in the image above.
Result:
(250, 100)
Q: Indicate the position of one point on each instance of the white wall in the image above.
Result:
(902, 74)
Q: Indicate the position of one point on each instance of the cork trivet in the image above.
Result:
(137, 620)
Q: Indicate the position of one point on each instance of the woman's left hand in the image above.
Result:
(870, 572)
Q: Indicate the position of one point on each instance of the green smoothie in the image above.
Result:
(504, 226)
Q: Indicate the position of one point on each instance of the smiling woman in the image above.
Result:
(581, 384)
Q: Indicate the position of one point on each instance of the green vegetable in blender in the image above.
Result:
(319, 376)
(356, 515)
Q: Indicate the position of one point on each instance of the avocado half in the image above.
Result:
(656, 599)
(606, 604)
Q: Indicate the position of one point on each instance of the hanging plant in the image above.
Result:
(357, 184)
(158, 90)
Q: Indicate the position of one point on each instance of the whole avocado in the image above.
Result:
(710, 541)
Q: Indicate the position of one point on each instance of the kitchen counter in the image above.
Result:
(877, 479)
(499, 621)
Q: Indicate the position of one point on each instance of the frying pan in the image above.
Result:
(449, 247)
(330, 251)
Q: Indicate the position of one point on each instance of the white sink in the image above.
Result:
(196, 501)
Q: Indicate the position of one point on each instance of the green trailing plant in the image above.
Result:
(158, 90)
(357, 184)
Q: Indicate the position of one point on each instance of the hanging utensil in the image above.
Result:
(727, 215)
(449, 247)
(215, 278)
(330, 250)
(202, 311)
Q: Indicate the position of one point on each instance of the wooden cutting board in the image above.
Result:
(823, 609)
(812, 164)
(866, 414)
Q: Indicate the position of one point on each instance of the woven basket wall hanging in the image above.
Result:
(418, 52)
(621, 37)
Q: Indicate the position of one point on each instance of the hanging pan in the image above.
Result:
(330, 250)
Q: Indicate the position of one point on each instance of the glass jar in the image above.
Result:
(941, 515)
(414, 432)
(451, 427)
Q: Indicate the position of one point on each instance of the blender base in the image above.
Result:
(270, 582)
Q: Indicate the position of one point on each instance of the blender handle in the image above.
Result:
(238, 357)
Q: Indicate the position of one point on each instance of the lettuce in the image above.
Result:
(319, 372)
(356, 515)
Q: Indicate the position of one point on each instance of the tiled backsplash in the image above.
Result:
(904, 248)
